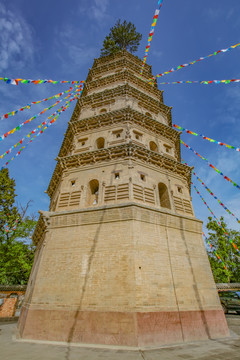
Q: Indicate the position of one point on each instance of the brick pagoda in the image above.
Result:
(120, 258)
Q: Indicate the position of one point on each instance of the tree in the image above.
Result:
(122, 36)
(225, 250)
(16, 250)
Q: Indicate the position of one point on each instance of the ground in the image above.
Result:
(228, 349)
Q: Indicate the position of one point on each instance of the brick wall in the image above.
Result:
(11, 299)
(8, 308)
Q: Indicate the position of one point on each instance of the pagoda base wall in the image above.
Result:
(122, 328)
(126, 275)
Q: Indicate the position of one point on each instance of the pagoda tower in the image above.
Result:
(120, 258)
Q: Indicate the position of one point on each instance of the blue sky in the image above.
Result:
(59, 40)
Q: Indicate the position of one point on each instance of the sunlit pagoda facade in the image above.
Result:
(120, 258)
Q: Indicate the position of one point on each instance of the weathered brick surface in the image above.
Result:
(8, 308)
(13, 298)
(128, 260)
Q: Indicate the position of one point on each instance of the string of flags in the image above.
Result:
(211, 193)
(17, 128)
(35, 130)
(219, 223)
(206, 138)
(155, 18)
(40, 132)
(219, 258)
(202, 82)
(39, 81)
(10, 231)
(213, 167)
(193, 62)
(12, 113)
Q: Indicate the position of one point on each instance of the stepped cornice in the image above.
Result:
(119, 55)
(109, 95)
(127, 76)
(41, 228)
(116, 65)
(120, 152)
(55, 179)
(116, 117)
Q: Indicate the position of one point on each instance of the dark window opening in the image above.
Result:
(100, 143)
(93, 192)
(117, 133)
(163, 196)
(153, 146)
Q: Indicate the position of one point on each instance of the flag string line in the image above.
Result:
(10, 231)
(17, 128)
(40, 132)
(202, 82)
(39, 81)
(215, 252)
(206, 138)
(211, 193)
(33, 131)
(193, 62)
(28, 106)
(209, 164)
(150, 36)
(219, 223)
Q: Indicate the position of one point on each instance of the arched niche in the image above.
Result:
(164, 196)
(102, 111)
(153, 146)
(100, 142)
(93, 192)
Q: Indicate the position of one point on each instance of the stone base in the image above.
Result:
(122, 328)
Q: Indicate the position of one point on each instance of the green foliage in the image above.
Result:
(121, 36)
(225, 250)
(16, 250)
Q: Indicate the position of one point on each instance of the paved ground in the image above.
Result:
(229, 349)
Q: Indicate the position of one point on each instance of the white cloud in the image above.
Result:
(157, 53)
(77, 52)
(99, 9)
(228, 112)
(230, 13)
(16, 45)
(213, 13)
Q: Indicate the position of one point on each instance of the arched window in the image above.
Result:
(93, 192)
(103, 111)
(153, 146)
(100, 143)
(148, 114)
(163, 196)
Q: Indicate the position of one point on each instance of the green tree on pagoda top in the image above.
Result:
(122, 36)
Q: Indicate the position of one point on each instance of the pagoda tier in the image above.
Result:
(112, 98)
